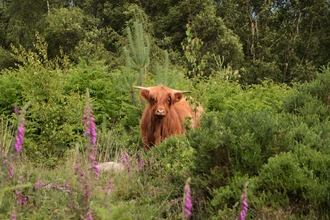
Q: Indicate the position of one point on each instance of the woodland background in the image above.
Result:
(259, 68)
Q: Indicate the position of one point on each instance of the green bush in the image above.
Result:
(230, 96)
(10, 92)
(228, 149)
(107, 100)
(311, 97)
(236, 142)
(53, 120)
(175, 155)
(295, 180)
(225, 202)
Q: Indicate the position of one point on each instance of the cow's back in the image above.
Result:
(184, 109)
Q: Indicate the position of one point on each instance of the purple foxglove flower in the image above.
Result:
(36, 186)
(110, 188)
(141, 163)
(244, 204)
(243, 209)
(20, 136)
(188, 203)
(89, 123)
(122, 158)
(13, 216)
(89, 216)
(11, 171)
(16, 111)
(20, 198)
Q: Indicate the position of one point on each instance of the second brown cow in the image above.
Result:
(164, 114)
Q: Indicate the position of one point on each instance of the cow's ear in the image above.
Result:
(178, 96)
(145, 94)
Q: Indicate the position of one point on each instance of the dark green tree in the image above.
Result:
(23, 19)
(282, 40)
(65, 28)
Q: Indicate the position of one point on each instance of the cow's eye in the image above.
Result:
(168, 101)
(152, 100)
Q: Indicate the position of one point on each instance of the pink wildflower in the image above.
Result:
(187, 199)
(125, 160)
(20, 136)
(110, 188)
(89, 216)
(36, 186)
(11, 171)
(68, 188)
(141, 163)
(20, 198)
(244, 204)
(16, 111)
(13, 216)
(89, 123)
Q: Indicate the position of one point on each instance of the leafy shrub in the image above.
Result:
(230, 96)
(10, 92)
(311, 97)
(54, 117)
(296, 180)
(224, 204)
(229, 148)
(175, 155)
(236, 142)
(6, 60)
(107, 99)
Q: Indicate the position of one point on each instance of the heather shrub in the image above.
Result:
(297, 181)
(310, 112)
(228, 149)
(236, 142)
(225, 202)
(315, 136)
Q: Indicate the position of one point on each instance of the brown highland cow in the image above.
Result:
(165, 113)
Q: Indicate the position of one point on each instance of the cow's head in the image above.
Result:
(160, 98)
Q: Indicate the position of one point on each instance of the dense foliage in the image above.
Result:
(279, 40)
(259, 69)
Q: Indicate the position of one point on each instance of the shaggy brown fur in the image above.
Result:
(165, 113)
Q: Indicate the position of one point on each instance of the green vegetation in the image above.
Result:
(259, 69)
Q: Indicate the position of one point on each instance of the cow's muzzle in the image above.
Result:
(160, 113)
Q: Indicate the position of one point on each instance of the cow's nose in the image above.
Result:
(160, 111)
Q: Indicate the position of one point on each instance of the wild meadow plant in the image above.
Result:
(86, 170)
(125, 160)
(244, 204)
(187, 203)
(8, 161)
